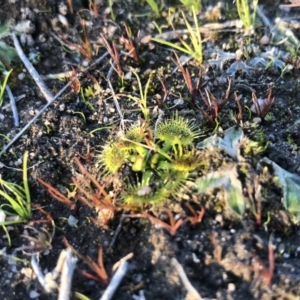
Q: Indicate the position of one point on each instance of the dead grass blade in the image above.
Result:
(56, 194)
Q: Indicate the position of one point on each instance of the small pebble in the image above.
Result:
(21, 76)
(219, 218)
(178, 101)
(231, 287)
(33, 294)
(264, 40)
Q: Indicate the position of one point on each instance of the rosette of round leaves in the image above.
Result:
(177, 133)
(116, 153)
(189, 161)
(156, 188)
(113, 156)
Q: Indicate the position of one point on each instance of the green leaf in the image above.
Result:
(290, 184)
(230, 143)
(235, 198)
(4, 31)
(225, 178)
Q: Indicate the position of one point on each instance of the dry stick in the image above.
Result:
(118, 230)
(114, 96)
(46, 281)
(24, 58)
(35, 75)
(13, 105)
(191, 290)
(115, 281)
(206, 28)
(66, 275)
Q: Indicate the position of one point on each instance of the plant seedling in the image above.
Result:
(97, 267)
(114, 54)
(142, 100)
(195, 50)
(155, 8)
(83, 46)
(40, 240)
(172, 228)
(196, 216)
(290, 184)
(196, 4)
(56, 194)
(261, 271)
(3, 85)
(187, 78)
(18, 197)
(213, 105)
(262, 106)
(129, 44)
(243, 9)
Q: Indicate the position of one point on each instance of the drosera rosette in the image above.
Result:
(128, 148)
(177, 133)
(155, 187)
(189, 161)
(161, 159)
(135, 136)
(113, 156)
(148, 190)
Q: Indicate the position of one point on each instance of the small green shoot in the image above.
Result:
(196, 4)
(244, 12)
(155, 8)
(17, 196)
(195, 50)
(80, 296)
(81, 114)
(3, 85)
(142, 100)
(89, 104)
(98, 129)
(112, 14)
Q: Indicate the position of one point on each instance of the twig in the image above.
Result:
(32, 71)
(47, 282)
(18, 98)
(13, 105)
(117, 232)
(66, 275)
(36, 269)
(206, 28)
(118, 263)
(141, 296)
(191, 290)
(114, 96)
(115, 281)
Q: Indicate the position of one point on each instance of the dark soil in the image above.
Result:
(224, 256)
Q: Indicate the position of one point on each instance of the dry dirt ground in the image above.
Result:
(224, 256)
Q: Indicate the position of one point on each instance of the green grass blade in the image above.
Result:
(153, 6)
(2, 87)
(26, 187)
(14, 204)
(172, 45)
